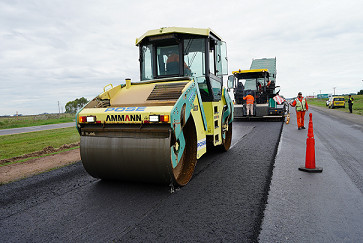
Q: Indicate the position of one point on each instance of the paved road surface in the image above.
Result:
(36, 128)
(326, 207)
(223, 202)
(341, 115)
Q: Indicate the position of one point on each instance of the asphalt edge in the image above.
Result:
(266, 191)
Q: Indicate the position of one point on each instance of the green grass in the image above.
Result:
(25, 143)
(357, 106)
(36, 120)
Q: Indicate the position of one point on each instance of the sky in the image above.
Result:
(60, 50)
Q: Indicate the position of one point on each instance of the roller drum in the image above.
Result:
(132, 153)
(140, 158)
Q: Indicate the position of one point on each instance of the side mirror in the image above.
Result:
(230, 82)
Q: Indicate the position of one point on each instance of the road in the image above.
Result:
(224, 201)
(324, 207)
(254, 192)
(35, 128)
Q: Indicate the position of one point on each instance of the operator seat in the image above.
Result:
(172, 68)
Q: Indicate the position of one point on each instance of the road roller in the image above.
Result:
(154, 130)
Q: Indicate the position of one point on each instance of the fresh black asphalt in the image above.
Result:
(224, 201)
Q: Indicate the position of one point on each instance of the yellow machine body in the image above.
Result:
(156, 129)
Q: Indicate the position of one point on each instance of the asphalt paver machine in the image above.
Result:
(260, 82)
(154, 130)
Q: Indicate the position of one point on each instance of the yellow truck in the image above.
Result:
(154, 130)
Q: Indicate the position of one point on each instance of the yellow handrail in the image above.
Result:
(104, 88)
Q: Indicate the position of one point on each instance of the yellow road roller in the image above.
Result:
(154, 130)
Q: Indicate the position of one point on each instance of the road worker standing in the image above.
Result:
(350, 103)
(249, 104)
(301, 106)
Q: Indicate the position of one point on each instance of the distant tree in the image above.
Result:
(75, 105)
(360, 92)
(71, 107)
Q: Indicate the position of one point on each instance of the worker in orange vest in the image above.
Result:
(249, 104)
(301, 106)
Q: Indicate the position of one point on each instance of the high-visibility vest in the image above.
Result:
(300, 106)
(351, 100)
(249, 99)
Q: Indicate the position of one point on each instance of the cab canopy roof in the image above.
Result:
(181, 30)
(252, 73)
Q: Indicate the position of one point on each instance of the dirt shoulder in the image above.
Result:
(17, 171)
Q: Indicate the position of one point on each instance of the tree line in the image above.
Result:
(75, 105)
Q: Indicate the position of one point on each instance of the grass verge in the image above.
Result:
(357, 106)
(25, 143)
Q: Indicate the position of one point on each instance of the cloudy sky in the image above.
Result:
(54, 50)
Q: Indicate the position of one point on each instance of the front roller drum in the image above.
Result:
(139, 156)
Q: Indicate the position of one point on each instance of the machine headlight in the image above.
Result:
(154, 118)
(91, 119)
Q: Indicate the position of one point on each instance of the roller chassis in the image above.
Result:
(156, 129)
(188, 110)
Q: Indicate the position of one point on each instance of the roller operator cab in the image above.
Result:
(154, 130)
(260, 82)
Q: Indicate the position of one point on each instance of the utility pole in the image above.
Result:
(334, 89)
(58, 108)
(320, 91)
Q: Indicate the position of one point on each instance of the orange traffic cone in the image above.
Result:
(310, 151)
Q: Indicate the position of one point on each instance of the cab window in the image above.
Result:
(167, 60)
(214, 76)
(221, 58)
(212, 67)
(194, 57)
(250, 84)
(146, 63)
